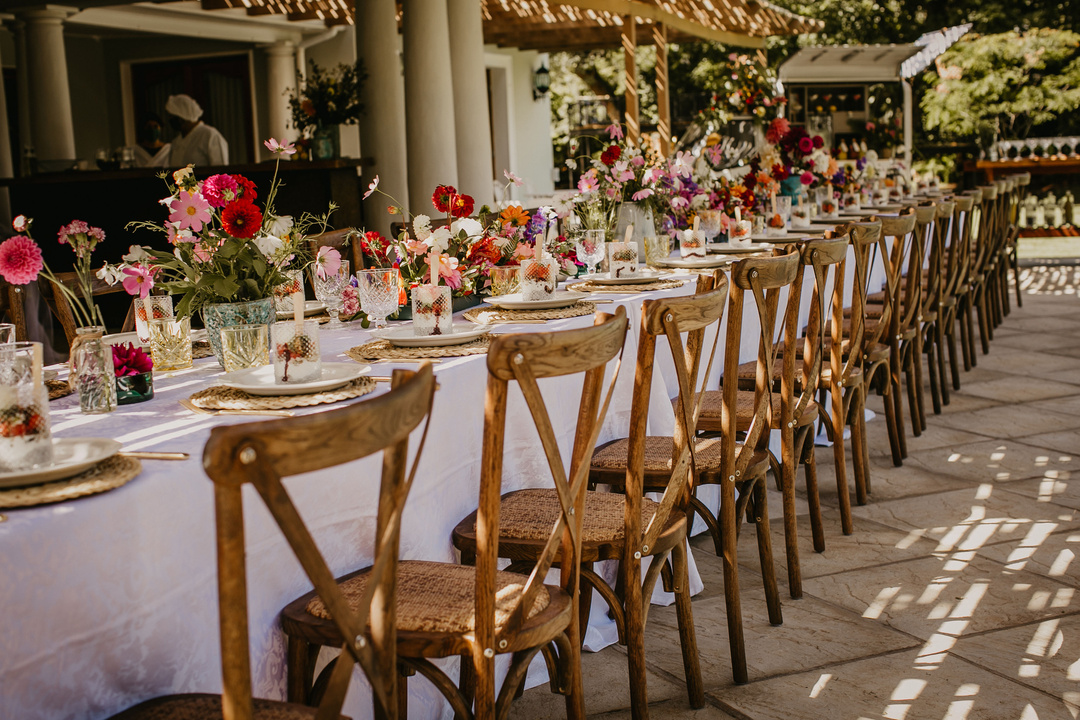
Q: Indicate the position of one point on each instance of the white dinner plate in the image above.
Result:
(71, 456)
(311, 307)
(694, 263)
(644, 276)
(124, 339)
(260, 380)
(561, 298)
(462, 333)
(729, 249)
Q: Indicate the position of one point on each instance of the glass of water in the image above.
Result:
(590, 248)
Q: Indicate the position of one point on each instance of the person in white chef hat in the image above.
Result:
(197, 143)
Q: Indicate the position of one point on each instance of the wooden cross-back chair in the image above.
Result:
(934, 290)
(477, 613)
(954, 290)
(913, 304)
(1023, 180)
(982, 260)
(262, 454)
(966, 303)
(346, 241)
(12, 306)
(61, 307)
(1007, 234)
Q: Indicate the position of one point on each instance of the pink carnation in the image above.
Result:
(219, 189)
(20, 260)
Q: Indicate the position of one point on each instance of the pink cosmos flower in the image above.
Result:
(518, 182)
(190, 211)
(679, 202)
(416, 247)
(523, 251)
(637, 161)
(280, 147)
(20, 260)
(587, 183)
(219, 189)
(327, 262)
(683, 165)
(652, 175)
(371, 187)
(806, 178)
(139, 281)
(615, 131)
(641, 195)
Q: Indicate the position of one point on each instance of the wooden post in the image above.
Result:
(629, 44)
(663, 99)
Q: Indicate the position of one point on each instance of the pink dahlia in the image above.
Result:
(778, 128)
(806, 178)
(20, 260)
(190, 211)
(219, 189)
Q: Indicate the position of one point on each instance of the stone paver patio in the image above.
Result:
(957, 596)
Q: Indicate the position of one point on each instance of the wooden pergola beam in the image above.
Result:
(636, 9)
(629, 45)
(663, 100)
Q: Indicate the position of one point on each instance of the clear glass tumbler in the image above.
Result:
(432, 310)
(245, 346)
(151, 307)
(170, 344)
(25, 436)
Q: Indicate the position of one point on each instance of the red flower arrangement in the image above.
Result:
(375, 245)
(610, 156)
(446, 199)
(241, 219)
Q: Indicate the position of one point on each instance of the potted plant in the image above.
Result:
(327, 100)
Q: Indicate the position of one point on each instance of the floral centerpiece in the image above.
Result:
(749, 88)
(327, 100)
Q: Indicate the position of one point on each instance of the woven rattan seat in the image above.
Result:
(208, 707)
(440, 597)
(657, 455)
(529, 514)
(712, 407)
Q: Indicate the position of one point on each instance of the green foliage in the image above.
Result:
(328, 97)
(1003, 84)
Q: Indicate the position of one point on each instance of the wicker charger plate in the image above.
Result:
(488, 315)
(58, 389)
(220, 397)
(106, 475)
(383, 350)
(590, 286)
(201, 349)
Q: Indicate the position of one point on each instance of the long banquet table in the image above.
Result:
(112, 599)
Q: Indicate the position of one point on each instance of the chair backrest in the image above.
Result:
(346, 241)
(901, 299)
(938, 280)
(61, 307)
(764, 277)
(262, 454)
(525, 358)
(11, 304)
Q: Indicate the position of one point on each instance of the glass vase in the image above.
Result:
(218, 315)
(92, 368)
(132, 389)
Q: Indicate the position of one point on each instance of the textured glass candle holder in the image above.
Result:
(283, 293)
(739, 233)
(25, 436)
(245, 346)
(296, 353)
(432, 310)
(538, 279)
(151, 307)
(691, 244)
(657, 248)
(170, 344)
(622, 259)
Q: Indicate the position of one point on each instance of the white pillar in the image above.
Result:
(22, 91)
(280, 81)
(382, 124)
(909, 123)
(471, 119)
(50, 98)
(429, 100)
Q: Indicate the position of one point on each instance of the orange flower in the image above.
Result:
(308, 108)
(514, 215)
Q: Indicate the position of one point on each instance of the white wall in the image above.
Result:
(329, 54)
(529, 121)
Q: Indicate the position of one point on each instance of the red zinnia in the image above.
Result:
(246, 191)
(241, 219)
(611, 155)
(462, 206)
(442, 197)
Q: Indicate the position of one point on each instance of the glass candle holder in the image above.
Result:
(25, 435)
(783, 208)
(7, 333)
(283, 293)
(850, 201)
(432, 310)
(776, 226)
(691, 244)
(504, 280)
(170, 344)
(758, 224)
(739, 233)
(538, 278)
(151, 307)
(657, 248)
(622, 259)
(296, 351)
(829, 208)
(245, 346)
(800, 216)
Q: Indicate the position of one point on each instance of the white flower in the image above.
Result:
(440, 239)
(280, 226)
(110, 274)
(699, 201)
(471, 227)
(571, 163)
(563, 203)
(136, 254)
(269, 245)
(422, 227)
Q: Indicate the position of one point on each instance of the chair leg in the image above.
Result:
(764, 540)
(299, 669)
(859, 451)
(842, 492)
(732, 600)
(695, 686)
(984, 321)
(575, 698)
(912, 362)
(932, 351)
(791, 527)
(954, 361)
(809, 464)
(939, 344)
(892, 424)
(1016, 276)
(1006, 265)
(967, 335)
(634, 623)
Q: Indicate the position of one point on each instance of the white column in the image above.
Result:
(50, 98)
(471, 118)
(429, 100)
(382, 124)
(22, 89)
(909, 123)
(280, 81)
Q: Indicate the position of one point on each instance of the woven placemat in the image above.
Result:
(383, 350)
(220, 397)
(58, 389)
(106, 475)
(590, 286)
(201, 349)
(488, 315)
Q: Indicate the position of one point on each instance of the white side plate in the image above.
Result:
(645, 275)
(713, 261)
(462, 333)
(71, 456)
(260, 380)
(311, 307)
(561, 298)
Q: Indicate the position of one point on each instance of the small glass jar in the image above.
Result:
(504, 280)
(295, 351)
(850, 201)
(25, 435)
(691, 243)
(800, 216)
(91, 365)
(739, 233)
(432, 310)
(657, 248)
(758, 224)
(622, 259)
(538, 279)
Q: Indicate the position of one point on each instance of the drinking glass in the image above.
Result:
(25, 437)
(622, 259)
(245, 346)
(800, 215)
(504, 280)
(151, 307)
(7, 333)
(538, 278)
(850, 201)
(329, 288)
(378, 290)
(170, 343)
(432, 310)
(590, 249)
(657, 248)
(283, 302)
(296, 351)
(709, 224)
(757, 224)
(783, 208)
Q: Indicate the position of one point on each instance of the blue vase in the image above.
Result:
(790, 186)
(218, 315)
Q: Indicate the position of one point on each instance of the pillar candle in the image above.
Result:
(433, 264)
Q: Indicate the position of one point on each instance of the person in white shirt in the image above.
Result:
(149, 150)
(197, 143)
